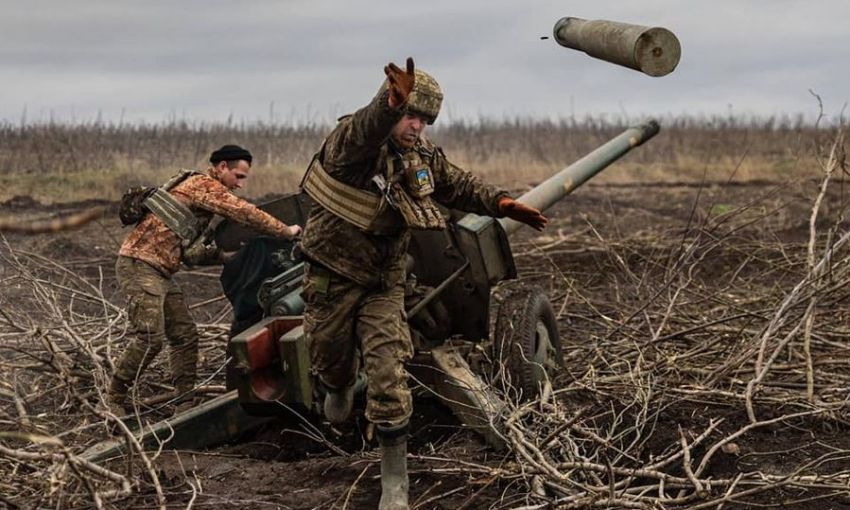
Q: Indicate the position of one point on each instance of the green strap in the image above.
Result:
(178, 217)
(352, 204)
(174, 214)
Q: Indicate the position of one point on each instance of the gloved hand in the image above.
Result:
(201, 253)
(522, 213)
(400, 83)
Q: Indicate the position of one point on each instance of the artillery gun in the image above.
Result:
(448, 308)
(451, 276)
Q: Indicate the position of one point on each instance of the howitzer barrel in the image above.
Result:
(553, 189)
(651, 50)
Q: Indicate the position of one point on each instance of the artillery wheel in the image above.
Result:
(526, 342)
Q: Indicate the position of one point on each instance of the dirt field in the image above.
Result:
(670, 298)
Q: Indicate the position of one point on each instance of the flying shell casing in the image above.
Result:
(651, 50)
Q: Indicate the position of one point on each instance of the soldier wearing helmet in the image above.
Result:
(376, 178)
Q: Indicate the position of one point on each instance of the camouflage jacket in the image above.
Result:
(355, 152)
(154, 243)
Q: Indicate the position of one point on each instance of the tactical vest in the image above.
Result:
(405, 192)
(176, 215)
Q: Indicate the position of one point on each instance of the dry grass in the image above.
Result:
(62, 163)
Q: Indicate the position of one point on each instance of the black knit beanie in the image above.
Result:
(230, 153)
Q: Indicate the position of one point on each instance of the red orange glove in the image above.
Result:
(522, 213)
(400, 83)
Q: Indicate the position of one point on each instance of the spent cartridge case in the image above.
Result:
(651, 50)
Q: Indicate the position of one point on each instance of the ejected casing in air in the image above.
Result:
(651, 50)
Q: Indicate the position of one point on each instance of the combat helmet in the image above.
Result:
(426, 97)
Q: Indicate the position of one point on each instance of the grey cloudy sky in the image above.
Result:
(208, 59)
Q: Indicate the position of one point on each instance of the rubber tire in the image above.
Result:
(524, 320)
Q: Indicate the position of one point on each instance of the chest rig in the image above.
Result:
(176, 215)
(403, 198)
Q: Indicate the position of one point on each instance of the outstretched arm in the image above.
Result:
(207, 193)
(459, 189)
(522, 213)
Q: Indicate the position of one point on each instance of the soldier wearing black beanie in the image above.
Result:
(152, 253)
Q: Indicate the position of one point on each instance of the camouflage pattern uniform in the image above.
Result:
(353, 286)
(157, 311)
(157, 245)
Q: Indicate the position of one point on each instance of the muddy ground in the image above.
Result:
(598, 237)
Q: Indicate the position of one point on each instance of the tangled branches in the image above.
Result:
(720, 334)
(59, 331)
(705, 365)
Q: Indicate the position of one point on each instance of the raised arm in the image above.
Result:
(360, 136)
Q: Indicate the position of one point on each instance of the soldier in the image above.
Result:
(375, 178)
(152, 253)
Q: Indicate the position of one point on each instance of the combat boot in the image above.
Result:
(183, 356)
(116, 397)
(394, 482)
(338, 404)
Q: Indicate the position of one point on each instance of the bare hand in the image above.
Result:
(293, 231)
(400, 83)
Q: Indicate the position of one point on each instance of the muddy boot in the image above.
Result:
(183, 357)
(394, 483)
(338, 404)
(116, 401)
(116, 397)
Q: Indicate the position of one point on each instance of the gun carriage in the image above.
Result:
(451, 275)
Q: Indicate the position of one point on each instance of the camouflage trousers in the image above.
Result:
(344, 319)
(157, 312)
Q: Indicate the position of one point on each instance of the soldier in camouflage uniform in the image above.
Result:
(376, 178)
(152, 253)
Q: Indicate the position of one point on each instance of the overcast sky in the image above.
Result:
(314, 60)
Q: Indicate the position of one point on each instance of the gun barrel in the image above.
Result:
(546, 194)
(651, 50)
